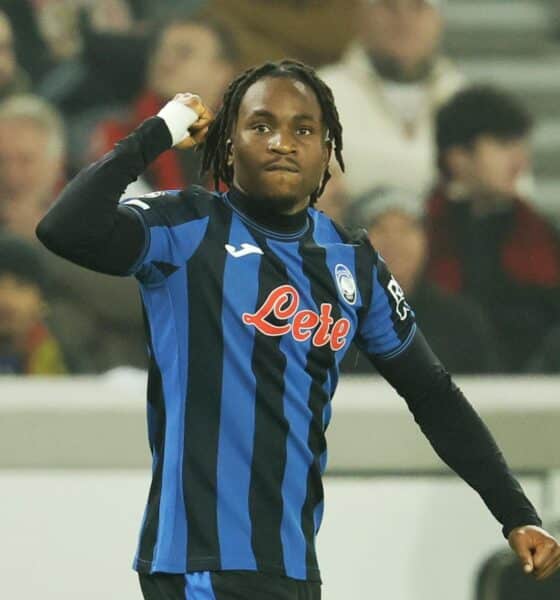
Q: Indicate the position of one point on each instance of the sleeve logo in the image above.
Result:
(346, 283)
(402, 308)
(282, 304)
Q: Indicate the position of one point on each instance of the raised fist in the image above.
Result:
(187, 127)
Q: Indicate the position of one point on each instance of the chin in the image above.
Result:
(282, 202)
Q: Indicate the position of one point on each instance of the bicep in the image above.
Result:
(119, 251)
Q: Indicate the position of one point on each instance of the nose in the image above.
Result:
(281, 142)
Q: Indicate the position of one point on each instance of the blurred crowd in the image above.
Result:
(434, 167)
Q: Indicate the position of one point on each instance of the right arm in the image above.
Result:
(86, 224)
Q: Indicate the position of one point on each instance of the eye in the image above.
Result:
(304, 131)
(261, 128)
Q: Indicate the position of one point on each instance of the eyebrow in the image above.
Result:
(261, 112)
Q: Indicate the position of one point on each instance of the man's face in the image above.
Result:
(28, 168)
(7, 56)
(20, 308)
(279, 152)
(492, 167)
(401, 240)
(406, 31)
(187, 58)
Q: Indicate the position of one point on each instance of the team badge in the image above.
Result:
(346, 283)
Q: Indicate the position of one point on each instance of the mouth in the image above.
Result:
(282, 167)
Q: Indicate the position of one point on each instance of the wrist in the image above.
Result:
(178, 118)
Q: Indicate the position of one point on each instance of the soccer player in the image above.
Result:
(251, 298)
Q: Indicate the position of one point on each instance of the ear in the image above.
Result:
(229, 152)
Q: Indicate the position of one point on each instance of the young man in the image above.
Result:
(485, 240)
(251, 298)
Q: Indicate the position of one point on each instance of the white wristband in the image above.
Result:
(178, 119)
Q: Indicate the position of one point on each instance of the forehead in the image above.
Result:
(283, 97)
(188, 34)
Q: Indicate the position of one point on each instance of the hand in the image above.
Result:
(199, 129)
(537, 550)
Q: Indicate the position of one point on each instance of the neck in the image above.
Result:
(391, 69)
(261, 210)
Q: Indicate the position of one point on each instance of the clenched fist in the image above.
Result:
(537, 550)
(187, 119)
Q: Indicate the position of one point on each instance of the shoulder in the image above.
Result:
(332, 231)
(172, 207)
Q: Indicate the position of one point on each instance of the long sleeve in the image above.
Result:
(456, 432)
(86, 224)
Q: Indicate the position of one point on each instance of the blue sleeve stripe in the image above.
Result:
(147, 239)
(402, 347)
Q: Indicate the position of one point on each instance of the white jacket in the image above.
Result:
(379, 148)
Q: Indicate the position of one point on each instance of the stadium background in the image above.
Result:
(73, 456)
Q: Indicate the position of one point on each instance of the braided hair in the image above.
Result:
(216, 147)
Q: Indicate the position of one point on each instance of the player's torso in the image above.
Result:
(302, 292)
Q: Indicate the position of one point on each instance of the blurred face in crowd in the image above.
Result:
(28, 165)
(7, 56)
(406, 32)
(279, 152)
(29, 172)
(21, 306)
(490, 167)
(188, 58)
(401, 240)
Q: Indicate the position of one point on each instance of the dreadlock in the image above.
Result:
(217, 142)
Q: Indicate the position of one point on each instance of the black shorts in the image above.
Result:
(227, 585)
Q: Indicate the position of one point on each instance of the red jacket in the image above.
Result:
(530, 251)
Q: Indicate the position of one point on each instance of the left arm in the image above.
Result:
(389, 337)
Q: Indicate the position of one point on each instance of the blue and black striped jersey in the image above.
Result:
(246, 329)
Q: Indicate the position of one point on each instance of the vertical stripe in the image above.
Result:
(198, 586)
(296, 410)
(205, 272)
(319, 361)
(271, 429)
(156, 436)
(237, 419)
(172, 535)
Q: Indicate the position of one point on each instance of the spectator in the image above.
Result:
(185, 52)
(456, 328)
(98, 318)
(387, 88)
(311, 31)
(486, 241)
(27, 346)
(13, 79)
(31, 162)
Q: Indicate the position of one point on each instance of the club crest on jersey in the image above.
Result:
(281, 307)
(345, 282)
